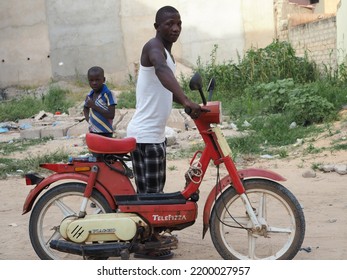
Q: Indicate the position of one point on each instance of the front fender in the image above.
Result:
(226, 181)
(45, 183)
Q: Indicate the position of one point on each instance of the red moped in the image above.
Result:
(89, 207)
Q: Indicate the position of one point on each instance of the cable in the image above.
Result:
(225, 206)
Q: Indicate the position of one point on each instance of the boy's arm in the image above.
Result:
(108, 114)
(86, 113)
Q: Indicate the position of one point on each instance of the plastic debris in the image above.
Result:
(4, 129)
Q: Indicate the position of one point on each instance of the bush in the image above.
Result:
(127, 99)
(56, 100)
(306, 107)
(19, 109)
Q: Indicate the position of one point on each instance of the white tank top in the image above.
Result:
(153, 106)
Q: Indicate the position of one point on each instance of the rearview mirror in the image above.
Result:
(195, 82)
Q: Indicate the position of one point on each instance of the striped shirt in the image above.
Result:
(97, 122)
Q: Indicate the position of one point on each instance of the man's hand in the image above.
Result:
(194, 110)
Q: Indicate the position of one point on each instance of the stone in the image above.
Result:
(309, 174)
(341, 169)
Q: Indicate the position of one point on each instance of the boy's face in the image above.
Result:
(96, 81)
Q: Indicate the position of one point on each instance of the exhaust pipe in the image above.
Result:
(96, 250)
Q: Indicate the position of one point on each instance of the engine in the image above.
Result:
(102, 227)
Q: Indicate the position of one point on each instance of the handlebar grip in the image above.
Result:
(188, 110)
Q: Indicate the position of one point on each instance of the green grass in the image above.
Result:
(56, 99)
(30, 164)
(269, 87)
(6, 148)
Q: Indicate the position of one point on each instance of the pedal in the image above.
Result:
(163, 242)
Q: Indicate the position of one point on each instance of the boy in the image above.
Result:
(99, 106)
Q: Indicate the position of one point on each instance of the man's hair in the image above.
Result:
(96, 70)
(164, 10)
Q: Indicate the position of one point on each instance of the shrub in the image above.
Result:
(56, 100)
(306, 107)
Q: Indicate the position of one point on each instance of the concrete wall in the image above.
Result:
(326, 6)
(24, 43)
(341, 23)
(42, 40)
(45, 39)
(320, 35)
(317, 39)
(84, 33)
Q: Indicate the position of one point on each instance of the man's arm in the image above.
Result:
(154, 51)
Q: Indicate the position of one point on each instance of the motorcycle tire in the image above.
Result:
(53, 206)
(230, 225)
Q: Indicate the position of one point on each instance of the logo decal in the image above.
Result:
(169, 218)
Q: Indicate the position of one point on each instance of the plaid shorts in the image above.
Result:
(149, 166)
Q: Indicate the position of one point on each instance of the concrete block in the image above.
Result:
(32, 133)
(56, 130)
(29, 122)
(78, 129)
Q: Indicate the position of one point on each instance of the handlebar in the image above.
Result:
(187, 111)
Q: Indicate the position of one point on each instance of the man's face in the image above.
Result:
(170, 27)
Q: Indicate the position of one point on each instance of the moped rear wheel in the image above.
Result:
(275, 205)
(53, 206)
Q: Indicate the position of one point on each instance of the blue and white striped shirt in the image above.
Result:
(97, 122)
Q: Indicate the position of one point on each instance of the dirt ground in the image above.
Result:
(323, 197)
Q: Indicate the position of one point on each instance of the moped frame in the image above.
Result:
(96, 175)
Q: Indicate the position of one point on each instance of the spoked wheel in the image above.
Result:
(56, 204)
(276, 208)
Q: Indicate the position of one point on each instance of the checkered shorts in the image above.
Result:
(149, 166)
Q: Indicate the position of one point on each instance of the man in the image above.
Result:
(156, 89)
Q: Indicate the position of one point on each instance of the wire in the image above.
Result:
(225, 206)
(195, 170)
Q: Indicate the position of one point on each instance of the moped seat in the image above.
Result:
(105, 145)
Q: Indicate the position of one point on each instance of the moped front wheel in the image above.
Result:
(53, 206)
(281, 216)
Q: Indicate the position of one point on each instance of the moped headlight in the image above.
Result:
(220, 113)
(214, 116)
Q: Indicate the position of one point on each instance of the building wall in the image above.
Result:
(84, 33)
(341, 23)
(42, 40)
(317, 39)
(24, 43)
(326, 6)
(309, 32)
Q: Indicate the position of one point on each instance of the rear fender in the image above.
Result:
(226, 182)
(59, 178)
